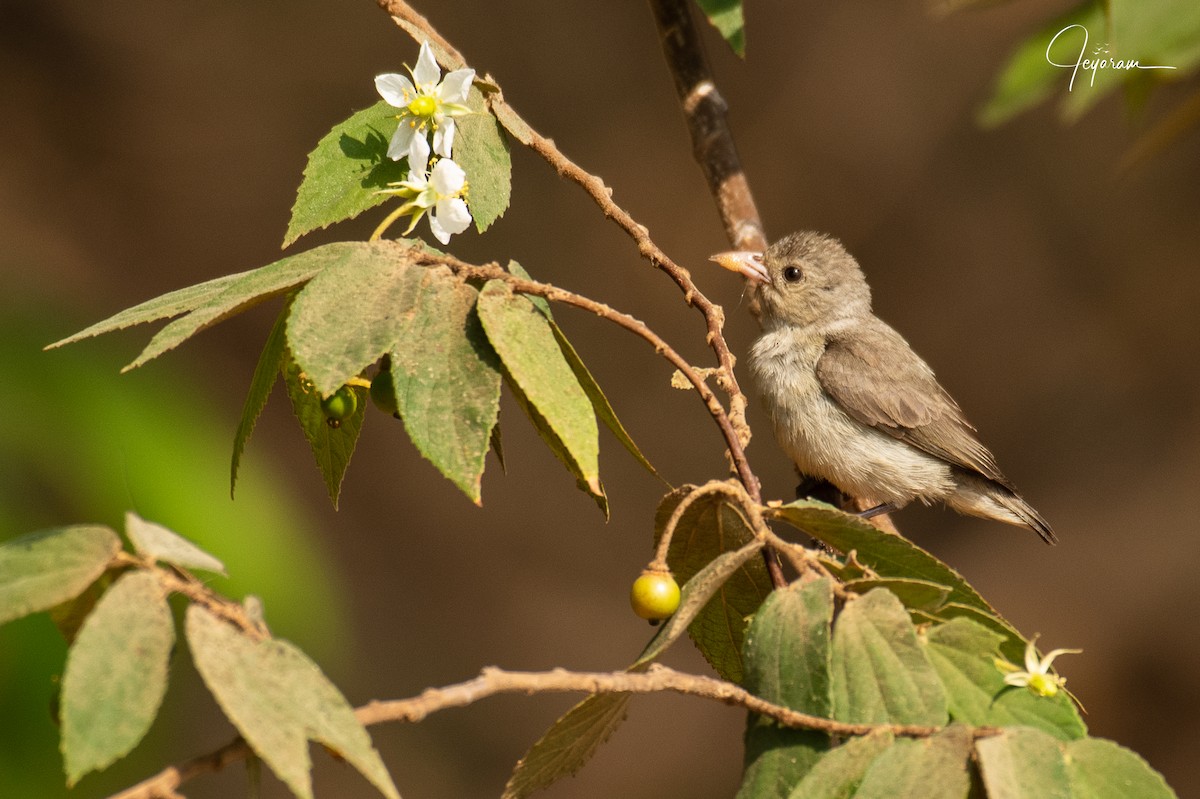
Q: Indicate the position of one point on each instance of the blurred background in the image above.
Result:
(151, 146)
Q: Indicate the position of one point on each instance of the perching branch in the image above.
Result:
(494, 681)
(704, 111)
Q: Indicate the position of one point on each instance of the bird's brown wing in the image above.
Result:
(880, 382)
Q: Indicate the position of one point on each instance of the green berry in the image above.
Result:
(339, 405)
(383, 392)
(654, 595)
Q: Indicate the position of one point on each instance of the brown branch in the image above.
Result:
(419, 28)
(693, 375)
(704, 110)
(494, 681)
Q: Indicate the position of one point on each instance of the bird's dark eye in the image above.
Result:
(792, 274)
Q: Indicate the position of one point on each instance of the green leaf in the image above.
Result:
(887, 554)
(447, 379)
(927, 768)
(1023, 763)
(880, 671)
(837, 774)
(47, 568)
(708, 527)
(116, 674)
(164, 307)
(786, 653)
(1028, 77)
(963, 652)
(726, 16)
(1100, 769)
(345, 172)
(786, 650)
(568, 744)
(482, 151)
(696, 594)
(777, 758)
(331, 446)
(350, 314)
(266, 373)
(604, 411)
(279, 700)
(914, 594)
(157, 542)
(532, 358)
(1012, 646)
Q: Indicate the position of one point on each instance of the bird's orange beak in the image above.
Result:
(747, 263)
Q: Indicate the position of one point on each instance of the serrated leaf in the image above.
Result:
(1023, 763)
(157, 542)
(279, 700)
(1100, 769)
(568, 744)
(266, 373)
(482, 151)
(447, 379)
(726, 16)
(707, 528)
(887, 554)
(348, 315)
(345, 172)
(243, 294)
(331, 446)
(913, 594)
(164, 307)
(839, 772)
(786, 649)
(786, 662)
(881, 673)
(1012, 646)
(47, 568)
(556, 446)
(696, 594)
(927, 768)
(963, 652)
(116, 674)
(522, 337)
(600, 404)
(777, 758)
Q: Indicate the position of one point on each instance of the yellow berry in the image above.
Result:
(654, 595)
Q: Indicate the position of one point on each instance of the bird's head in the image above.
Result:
(803, 279)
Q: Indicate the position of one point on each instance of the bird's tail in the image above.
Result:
(978, 496)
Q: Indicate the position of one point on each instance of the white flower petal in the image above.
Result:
(418, 152)
(427, 71)
(447, 178)
(450, 217)
(456, 85)
(1020, 679)
(401, 141)
(397, 90)
(443, 138)
(453, 214)
(1032, 665)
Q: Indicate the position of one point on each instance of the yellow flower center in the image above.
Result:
(1043, 684)
(423, 106)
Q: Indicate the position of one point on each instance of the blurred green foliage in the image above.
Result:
(81, 443)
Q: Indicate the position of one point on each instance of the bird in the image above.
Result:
(851, 402)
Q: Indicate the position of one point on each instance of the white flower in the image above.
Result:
(1036, 676)
(440, 194)
(426, 105)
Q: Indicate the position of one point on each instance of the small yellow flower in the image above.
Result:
(1036, 675)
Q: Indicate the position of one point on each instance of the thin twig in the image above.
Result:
(693, 375)
(493, 681)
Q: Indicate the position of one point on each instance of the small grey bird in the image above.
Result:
(851, 402)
